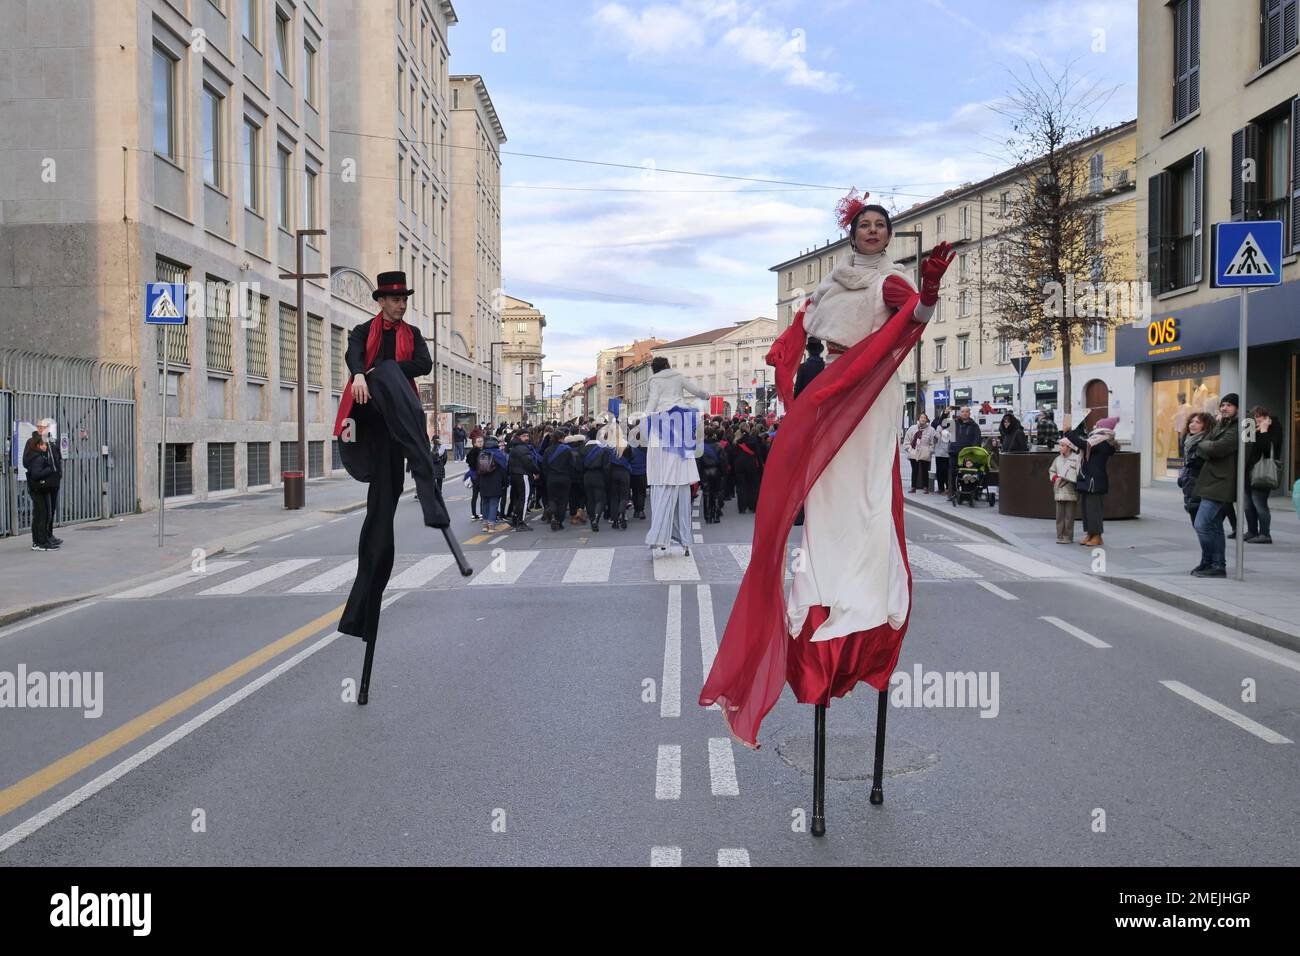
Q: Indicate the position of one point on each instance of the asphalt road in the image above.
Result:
(544, 712)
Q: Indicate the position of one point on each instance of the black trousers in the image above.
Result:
(711, 486)
(558, 490)
(746, 489)
(941, 473)
(638, 493)
(620, 489)
(593, 484)
(42, 516)
(519, 492)
(577, 497)
(1091, 506)
(389, 431)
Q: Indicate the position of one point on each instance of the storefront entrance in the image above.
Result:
(1178, 389)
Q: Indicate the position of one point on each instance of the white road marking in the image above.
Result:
(696, 526)
(722, 768)
(742, 554)
(668, 772)
(994, 589)
(676, 567)
(500, 537)
(329, 581)
(665, 856)
(42, 618)
(246, 582)
(590, 566)
(338, 519)
(1069, 628)
(111, 776)
(708, 632)
(670, 688)
(937, 564)
(283, 536)
(421, 573)
(1190, 623)
(733, 857)
(1227, 713)
(312, 528)
(699, 539)
(174, 581)
(516, 563)
(1021, 564)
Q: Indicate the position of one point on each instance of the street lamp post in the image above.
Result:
(437, 396)
(492, 379)
(299, 276)
(916, 398)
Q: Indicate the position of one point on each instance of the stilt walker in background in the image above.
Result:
(381, 426)
(670, 467)
(835, 456)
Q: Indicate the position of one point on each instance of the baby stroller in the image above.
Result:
(973, 477)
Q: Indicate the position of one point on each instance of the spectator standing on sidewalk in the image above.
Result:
(1199, 426)
(1094, 479)
(42, 485)
(458, 437)
(919, 443)
(1064, 475)
(965, 434)
(1267, 446)
(1011, 435)
(1045, 432)
(1216, 487)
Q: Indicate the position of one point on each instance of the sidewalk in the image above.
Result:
(100, 557)
(1152, 555)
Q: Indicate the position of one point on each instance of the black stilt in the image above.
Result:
(363, 693)
(877, 792)
(819, 771)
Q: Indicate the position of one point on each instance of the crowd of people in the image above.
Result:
(581, 473)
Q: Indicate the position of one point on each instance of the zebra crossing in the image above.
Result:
(501, 567)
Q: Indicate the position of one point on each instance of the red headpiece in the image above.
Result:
(849, 207)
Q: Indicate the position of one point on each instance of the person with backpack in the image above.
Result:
(710, 467)
(493, 468)
(595, 477)
(42, 485)
(558, 466)
(637, 470)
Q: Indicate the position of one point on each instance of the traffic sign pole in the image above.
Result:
(162, 448)
(1241, 437)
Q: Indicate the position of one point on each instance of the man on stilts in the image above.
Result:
(380, 427)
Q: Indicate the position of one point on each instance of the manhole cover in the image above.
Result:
(851, 756)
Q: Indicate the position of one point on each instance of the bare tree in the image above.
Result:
(1051, 238)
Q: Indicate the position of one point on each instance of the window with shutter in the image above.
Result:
(1198, 214)
(1157, 201)
(1096, 165)
(1244, 204)
(1295, 174)
(1277, 29)
(1187, 58)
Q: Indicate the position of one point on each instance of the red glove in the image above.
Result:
(932, 270)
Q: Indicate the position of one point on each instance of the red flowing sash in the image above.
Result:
(374, 338)
(755, 658)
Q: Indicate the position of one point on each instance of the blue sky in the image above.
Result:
(892, 96)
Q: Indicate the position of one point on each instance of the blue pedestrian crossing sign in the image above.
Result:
(1247, 253)
(164, 303)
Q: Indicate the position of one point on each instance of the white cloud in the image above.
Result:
(672, 32)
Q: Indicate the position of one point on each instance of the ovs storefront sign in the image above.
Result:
(1162, 336)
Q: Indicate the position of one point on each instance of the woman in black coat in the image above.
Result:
(1011, 435)
(747, 466)
(1267, 443)
(1094, 480)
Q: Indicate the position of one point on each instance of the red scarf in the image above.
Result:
(375, 338)
(757, 655)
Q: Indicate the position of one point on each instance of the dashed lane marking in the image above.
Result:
(1082, 635)
(733, 857)
(722, 768)
(668, 772)
(1227, 713)
(670, 688)
(994, 589)
(665, 856)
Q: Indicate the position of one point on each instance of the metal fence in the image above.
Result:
(92, 405)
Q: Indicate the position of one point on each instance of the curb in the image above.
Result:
(957, 518)
(1255, 628)
(22, 613)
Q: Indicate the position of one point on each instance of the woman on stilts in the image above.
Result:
(836, 455)
(670, 471)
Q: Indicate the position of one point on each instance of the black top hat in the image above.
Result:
(391, 283)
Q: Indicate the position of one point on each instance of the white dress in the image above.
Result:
(852, 561)
(668, 388)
